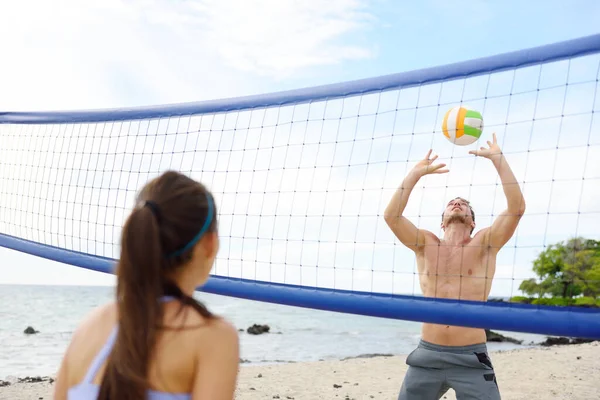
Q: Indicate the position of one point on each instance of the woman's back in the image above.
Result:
(185, 361)
(156, 341)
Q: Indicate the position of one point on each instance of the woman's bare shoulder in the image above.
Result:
(100, 316)
(217, 332)
(222, 326)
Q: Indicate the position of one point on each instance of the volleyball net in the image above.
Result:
(302, 178)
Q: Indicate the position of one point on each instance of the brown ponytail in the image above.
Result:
(170, 211)
(139, 286)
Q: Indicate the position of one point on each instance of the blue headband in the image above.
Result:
(196, 238)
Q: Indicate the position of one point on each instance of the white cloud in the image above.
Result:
(114, 53)
(281, 37)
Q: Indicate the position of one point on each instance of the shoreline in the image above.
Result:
(568, 371)
(494, 342)
(496, 339)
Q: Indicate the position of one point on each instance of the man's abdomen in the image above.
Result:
(448, 335)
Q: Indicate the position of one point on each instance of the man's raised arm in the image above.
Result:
(506, 223)
(406, 231)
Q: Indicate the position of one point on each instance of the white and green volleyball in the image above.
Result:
(462, 125)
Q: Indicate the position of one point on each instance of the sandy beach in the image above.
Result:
(558, 372)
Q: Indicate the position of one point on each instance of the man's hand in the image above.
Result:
(425, 166)
(493, 151)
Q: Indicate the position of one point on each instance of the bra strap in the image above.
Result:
(101, 356)
(106, 349)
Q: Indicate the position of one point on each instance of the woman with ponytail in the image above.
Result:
(156, 341)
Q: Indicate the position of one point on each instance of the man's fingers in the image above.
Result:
(442, 171)
(435, 168)
(430, 169)
(428, 154)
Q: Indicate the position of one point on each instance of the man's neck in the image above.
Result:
(457, 234)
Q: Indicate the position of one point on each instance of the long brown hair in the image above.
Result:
(172, 213)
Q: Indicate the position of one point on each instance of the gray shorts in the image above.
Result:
(433, 369)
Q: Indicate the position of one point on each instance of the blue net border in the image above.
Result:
(508, 61)
(577, 322)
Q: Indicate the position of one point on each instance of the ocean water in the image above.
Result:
(296, 334)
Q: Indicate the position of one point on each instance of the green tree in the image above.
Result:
(566, 270)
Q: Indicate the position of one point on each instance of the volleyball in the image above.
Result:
(462, 125)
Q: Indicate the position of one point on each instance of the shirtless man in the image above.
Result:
(457, 266)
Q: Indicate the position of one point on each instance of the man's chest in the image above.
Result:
(453, 259)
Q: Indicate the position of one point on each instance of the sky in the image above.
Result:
(81, 55)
